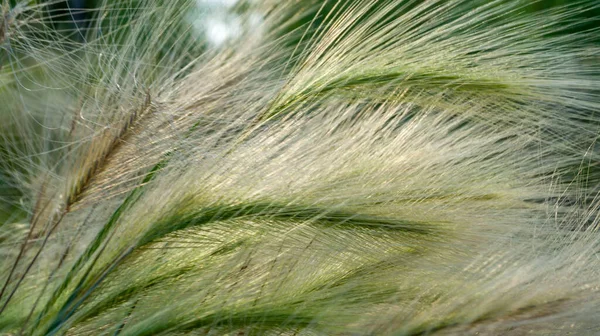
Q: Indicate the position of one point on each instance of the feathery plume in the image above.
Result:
(368, 167)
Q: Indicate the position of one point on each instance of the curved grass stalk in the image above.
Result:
(407, 168)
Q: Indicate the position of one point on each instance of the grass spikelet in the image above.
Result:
(365, 167)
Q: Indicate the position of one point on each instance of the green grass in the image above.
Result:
(361, 167)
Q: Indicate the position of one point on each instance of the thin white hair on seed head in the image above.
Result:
(420, 167)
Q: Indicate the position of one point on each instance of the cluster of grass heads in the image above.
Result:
(352, 167)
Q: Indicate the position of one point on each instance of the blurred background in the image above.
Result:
(219, 21)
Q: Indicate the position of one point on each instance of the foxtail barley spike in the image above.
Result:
(363, 167)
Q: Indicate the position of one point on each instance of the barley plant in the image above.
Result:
(351, 167)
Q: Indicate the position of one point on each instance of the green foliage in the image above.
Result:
(347, 167)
